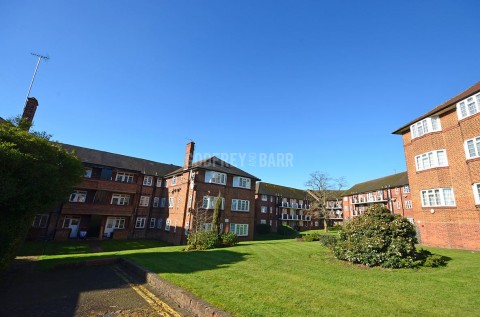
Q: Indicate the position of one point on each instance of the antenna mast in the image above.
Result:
(40, 57)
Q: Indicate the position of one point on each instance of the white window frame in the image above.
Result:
(437, 197)
(263, 209)
(240, 205)
(166, 183)
(88, 172)
(167, 225)
(475, 146)
(121, 199)
(119, 222)
(124, 177)
(239, 229)
(171, 202)
(190, 201)
(431, 159)
(156, 201)
(40, 221)
(408, 204)
(263, 221)
(476, 193)
(144, 201)
(208, 202)
(78, 196)
(468, 106)
(397, 190)
(153, 222)
(174, 180)
(215, 177)
(406, 189)
(425, 126)
(140, 222)
(241, 182)
(159, 182)
(147, 180)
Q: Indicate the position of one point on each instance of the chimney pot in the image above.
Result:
(187, 163)
(29, 110)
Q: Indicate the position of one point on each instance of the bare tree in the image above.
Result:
(322, 188)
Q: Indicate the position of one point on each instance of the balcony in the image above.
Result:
(97, 209)
(293, 205)
(295, 217)
(107, 185)
(370, 200)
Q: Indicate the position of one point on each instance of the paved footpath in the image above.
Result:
(105, 291)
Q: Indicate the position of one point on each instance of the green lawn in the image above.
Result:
(290, 278)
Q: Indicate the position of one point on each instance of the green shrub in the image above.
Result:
(202, 240)
(308, 238)
(229, 239)
(286, 231)
(263, 228)
(337, 227)
(378, 238)
(327, 240)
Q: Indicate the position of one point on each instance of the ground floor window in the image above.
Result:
(116, 222)
(263, 221)
(152, 222)
(159, 223)
(40, 221)
(140, 222)
(167, 225)
(239, 229)
(437, 197)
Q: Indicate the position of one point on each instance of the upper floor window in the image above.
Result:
(468, 107)
(472, 148)
(425, 126)
(144, 201)
(171, 202)
(88, 172)
(174, 180)
(264, 198)
(148, 180)
(240, 205)
(78, 197)
(406, 189)
(166, 183)
(162, 202)
(120, 199)
(408, 204)
(241, 182)
(431, 159)
(397, 190)
(208, 202)
(263, 209)
(159, 182)
(437, 197)
(476, 193)
(124, 177)
(215, 177)
(156, 201)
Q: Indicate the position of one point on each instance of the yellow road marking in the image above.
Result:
(159, 306)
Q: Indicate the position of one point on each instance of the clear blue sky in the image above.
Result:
(325, 81)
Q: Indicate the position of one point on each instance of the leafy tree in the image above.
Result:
(216, 214)
(34, 175)
(323, 188)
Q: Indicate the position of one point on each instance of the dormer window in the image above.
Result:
(425, 126)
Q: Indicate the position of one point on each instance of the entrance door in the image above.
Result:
(109, 227)
(73, 224)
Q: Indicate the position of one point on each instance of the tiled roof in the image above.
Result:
(470, 91)
(96, 157)
(278, 190)
(391, 181)
(215, 164)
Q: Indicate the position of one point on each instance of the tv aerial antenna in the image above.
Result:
(40, 58)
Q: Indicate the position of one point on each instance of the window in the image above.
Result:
(144, 201)
(159, 223)
(240, 205)
(140, 223)
(408, 204)
(167, 225)
(187, 227)
(78, 197)
(472, 148)
(271, 199)
(424, 126)
(468, 107)
(171, 202)
(166, 183)
(399, 205)
(159, 182)
(207, 226)
(40, 221)
(120, 199)
(431, 159)
(148, 180)
(88, 172)
(124, 177)
(208, 202)
(189, 204)
(437, 197)
(397, 190)
(241, 230)
(263, 221)
(156, 201)
(476, 193)
(406, 189)
(152, 222)
(116, 222)
(163, 201)
(271, 209)
(241, 182)
(215, 177)
(264, 197)
(264, 209)
(174, 180)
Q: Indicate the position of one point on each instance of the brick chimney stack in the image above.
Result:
(187, 163)
(29, 110)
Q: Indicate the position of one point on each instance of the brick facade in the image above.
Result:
(454, 223)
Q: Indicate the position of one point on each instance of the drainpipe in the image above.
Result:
(186, 210)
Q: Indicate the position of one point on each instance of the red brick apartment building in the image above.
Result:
(442, 150)
(392, 191)
(193, 190)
